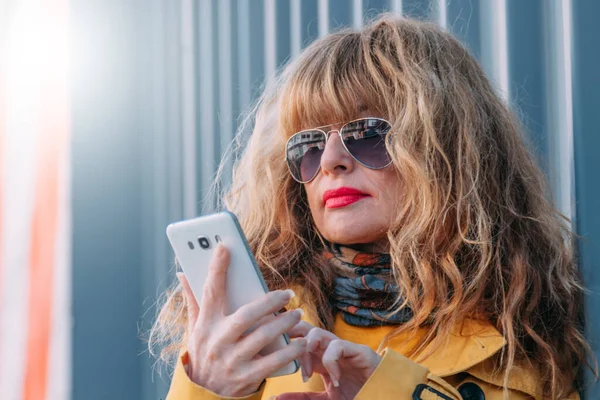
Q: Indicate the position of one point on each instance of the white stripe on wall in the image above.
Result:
(22, 128)
(441, 13)
(560, 106)
(270, 40)
(323, 13)
(59, 367)
(396, 6)
(357, 13)
(494, 44)
(295, 27)
(188, 109)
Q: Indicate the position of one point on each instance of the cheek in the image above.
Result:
(389, 187)
(313, 200)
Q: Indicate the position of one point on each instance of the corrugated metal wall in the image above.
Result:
(192, 66)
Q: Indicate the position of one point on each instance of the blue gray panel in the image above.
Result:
(586, 120)
(282, 21)
(526, 69)
(106, 176)
(310, 21)
(463, 22)
(340, 14)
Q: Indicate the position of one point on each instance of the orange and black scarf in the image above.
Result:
(365, 292)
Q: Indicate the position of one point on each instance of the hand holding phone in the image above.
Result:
(223, 358)
(227, 334)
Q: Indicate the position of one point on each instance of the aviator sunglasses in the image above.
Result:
(363, 139)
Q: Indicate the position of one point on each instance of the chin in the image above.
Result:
(351, 236)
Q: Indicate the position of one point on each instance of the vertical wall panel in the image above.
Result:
(494, 46)
(295, 27)
(586, 120)
(441, 13)
(340, 15)
(323, 14)
(283, 32)
(357, 13)
(419, 9)
(107, 273)
(396, 6)
(243, 54)
(310, 21)
(463, 21)
(188, 108)
(560, 105)
(257, 46)
(527, 70)
(206, 139)
(226, 126)
(372, 8)
(270, 40)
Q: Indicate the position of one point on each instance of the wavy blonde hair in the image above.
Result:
(475, 234)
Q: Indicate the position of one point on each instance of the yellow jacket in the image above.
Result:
(462, 370)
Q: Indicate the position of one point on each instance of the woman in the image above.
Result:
(388, 185)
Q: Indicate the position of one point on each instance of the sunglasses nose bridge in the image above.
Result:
(328, 133)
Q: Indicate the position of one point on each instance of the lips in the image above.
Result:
(342, 197)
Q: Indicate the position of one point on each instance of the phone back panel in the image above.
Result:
(244, 279)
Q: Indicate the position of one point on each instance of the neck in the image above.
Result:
(376, 247)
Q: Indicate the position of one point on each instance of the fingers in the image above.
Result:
(336, 350)
(301, 329)
(268, 332)
(303, 396)
(192, 304)
(270, 363)
(306, 366)
(363, 358)
(213, 295)
(247, 316)
(319, 338)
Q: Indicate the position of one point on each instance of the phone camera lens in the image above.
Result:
(204, 242)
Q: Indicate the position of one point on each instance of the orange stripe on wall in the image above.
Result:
(52, 146)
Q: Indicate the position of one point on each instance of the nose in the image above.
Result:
(335, 159)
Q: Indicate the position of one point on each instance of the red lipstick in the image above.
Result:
(342, 197)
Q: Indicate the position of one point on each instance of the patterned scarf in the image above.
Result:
(364, 290)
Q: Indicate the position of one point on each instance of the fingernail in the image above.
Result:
(304, 377)
(299, 311)
(335, 383)
(289, 293)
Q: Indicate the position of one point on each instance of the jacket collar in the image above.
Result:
(470, 343)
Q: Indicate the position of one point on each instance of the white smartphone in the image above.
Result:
(194, 241)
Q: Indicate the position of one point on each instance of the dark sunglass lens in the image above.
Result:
(304, 152)
(365, 140)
